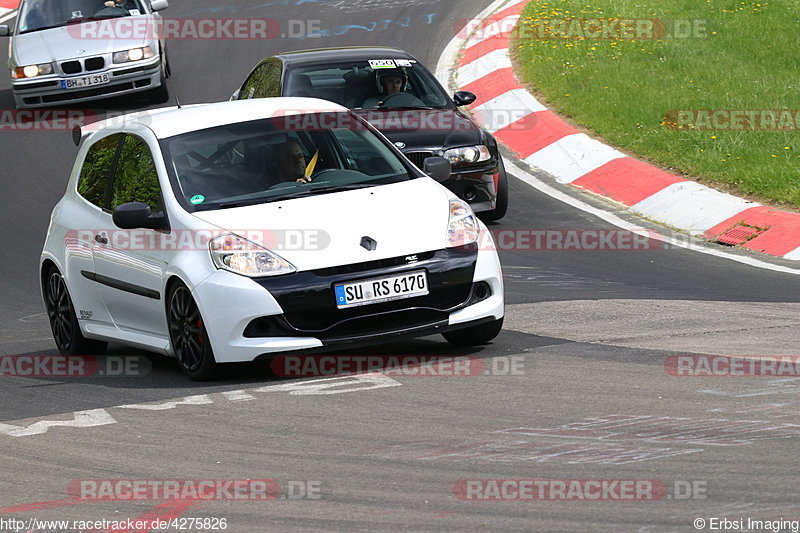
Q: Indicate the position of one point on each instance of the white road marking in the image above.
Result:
(483, 66)
(201, 399)
(101, 417)
(80, 419)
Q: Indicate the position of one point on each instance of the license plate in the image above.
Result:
(376, 290)
(86, 81)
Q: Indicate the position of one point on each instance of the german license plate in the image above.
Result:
(376, 290)
(85, 81)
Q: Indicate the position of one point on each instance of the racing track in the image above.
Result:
(592, 328)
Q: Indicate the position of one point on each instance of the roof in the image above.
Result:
(354, 53)
(171, 121)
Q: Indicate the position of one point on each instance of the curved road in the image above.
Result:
(575, 388)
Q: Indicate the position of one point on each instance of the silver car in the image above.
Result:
(70, 51)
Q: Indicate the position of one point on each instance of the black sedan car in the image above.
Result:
(399, 96)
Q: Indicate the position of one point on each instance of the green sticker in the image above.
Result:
(197, 199)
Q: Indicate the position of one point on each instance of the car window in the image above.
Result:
(135, 179)
(357, 84)
(96, 169)
(264, 82)
(271, 159)
(42, 14)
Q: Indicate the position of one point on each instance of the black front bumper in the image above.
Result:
(309, 303)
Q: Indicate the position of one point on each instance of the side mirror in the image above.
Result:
(135, 215)
(5, 31)
(438, 168)
(159, 5)
(462, 98)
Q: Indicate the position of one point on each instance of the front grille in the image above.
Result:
(418, 158)
(309, 303)
(71, 67)
(94, 63)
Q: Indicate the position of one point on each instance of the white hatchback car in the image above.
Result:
(241, 230)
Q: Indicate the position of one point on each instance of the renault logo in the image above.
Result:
(368, 243)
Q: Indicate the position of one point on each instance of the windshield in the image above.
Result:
(370, 84)
(42, 14)
(274, 159)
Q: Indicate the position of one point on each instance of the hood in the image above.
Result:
(425, 128)
(404, 218)
(69, 42)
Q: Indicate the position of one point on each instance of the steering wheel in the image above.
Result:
(317, 174)
(402, 100)
(110, 12)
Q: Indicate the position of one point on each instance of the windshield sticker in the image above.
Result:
(134, 12)
(77, 14)
(382, 63)
(197, 199)
(404, 62)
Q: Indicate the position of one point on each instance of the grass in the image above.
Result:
(743, 56)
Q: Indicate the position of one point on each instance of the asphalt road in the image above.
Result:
(575, 388)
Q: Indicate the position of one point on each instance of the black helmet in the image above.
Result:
(391, 73)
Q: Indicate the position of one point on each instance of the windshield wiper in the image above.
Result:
(405, 108)
(48, 27)
(313, 191)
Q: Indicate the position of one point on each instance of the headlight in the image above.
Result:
(233, 253)
(134, 54)
(462, 228)
(31, 71)
(468, 155)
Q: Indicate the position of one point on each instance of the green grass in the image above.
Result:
(623, 90)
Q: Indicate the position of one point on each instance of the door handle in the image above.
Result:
(101, 239)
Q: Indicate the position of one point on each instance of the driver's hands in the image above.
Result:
(306, 179)
(110, 3)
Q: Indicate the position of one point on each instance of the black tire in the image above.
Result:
(160, 95)
(188, 336)
(475, 335)
(63, 320)
(501, 206)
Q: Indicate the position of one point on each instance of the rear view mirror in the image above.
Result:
(438, 168)
(462, 98)
(136, 215)
(159, 5)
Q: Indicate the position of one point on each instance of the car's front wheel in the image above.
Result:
(63, 320)
(187, 333)
(475, 335)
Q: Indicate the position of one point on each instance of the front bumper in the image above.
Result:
(125, 79)
(251, 318)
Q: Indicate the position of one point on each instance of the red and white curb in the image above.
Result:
(544, 141)
(7, 9)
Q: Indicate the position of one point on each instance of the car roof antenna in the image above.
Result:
(171, 89)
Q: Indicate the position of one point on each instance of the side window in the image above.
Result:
(136, 179)
(97, 169)
(264, 82)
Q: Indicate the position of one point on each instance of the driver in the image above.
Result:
(390, 81)
(121, 4)
(290, 163)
